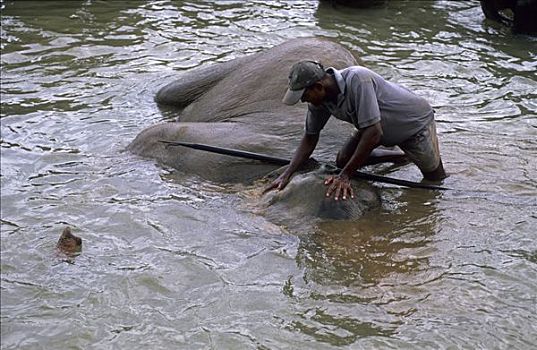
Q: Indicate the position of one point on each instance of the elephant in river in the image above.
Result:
(237, 104)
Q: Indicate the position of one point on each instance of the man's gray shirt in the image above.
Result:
(366, 98)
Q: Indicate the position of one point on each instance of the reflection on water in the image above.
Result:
(385, 243)
(170, 261)
(349, 265)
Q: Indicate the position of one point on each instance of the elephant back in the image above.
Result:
(258, 85)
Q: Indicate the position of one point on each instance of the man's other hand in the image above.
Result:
(339, 185)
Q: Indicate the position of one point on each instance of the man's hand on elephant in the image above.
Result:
(278, 184)
(339, 185)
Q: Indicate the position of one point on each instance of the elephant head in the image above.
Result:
(305, 198)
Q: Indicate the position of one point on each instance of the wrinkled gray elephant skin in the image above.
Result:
(237, 104)
(305, 197)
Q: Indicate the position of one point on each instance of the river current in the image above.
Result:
(171, 261)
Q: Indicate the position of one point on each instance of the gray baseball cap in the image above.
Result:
(303, 74)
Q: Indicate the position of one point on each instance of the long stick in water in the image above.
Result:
(283, 161)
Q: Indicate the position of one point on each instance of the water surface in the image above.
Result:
(171, 261)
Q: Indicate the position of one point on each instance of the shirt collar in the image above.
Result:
(340, 83)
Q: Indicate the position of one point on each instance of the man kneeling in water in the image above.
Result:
(383, 113)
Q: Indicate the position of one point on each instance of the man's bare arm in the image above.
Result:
(302, 154)
(341, 184)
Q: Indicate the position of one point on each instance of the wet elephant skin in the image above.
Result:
(238, 105)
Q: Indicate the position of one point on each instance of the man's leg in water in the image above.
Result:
(423, 150)
(378, 155)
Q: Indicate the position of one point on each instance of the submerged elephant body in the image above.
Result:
(238, 105)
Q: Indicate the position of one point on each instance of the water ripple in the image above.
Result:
(169, 260)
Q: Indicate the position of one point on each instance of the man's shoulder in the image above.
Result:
(356, 76)
(359, 74)
(356, 70)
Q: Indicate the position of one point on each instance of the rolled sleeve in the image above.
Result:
(367, 110)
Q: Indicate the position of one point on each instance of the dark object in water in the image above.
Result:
(283, 161)
(521, 15)
(68, 243)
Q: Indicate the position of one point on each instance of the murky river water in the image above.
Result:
(170, 261)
